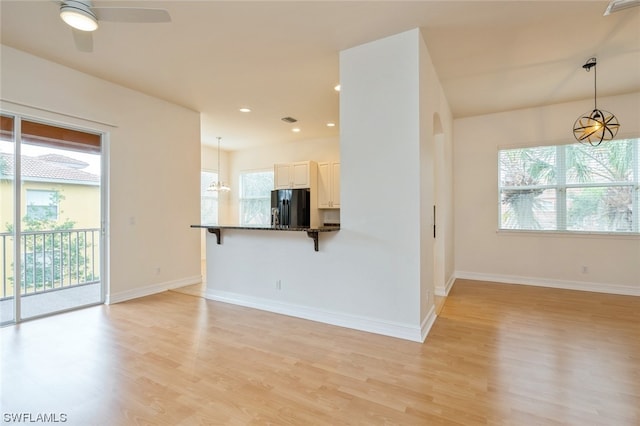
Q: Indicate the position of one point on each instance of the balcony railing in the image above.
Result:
(50, 260)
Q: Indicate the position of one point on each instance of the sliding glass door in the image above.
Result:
(53, 229)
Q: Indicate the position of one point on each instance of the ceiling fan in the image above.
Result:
(83, 18)
(618, 5)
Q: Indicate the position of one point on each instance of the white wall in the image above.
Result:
(153, 174)
(435, 184)
(367, 275)
(380, 167)
(552, 260)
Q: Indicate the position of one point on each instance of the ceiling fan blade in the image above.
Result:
(618, 5)
(83, 40)
(131, 14)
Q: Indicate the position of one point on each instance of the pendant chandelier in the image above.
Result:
(598, 125)
(218, 186)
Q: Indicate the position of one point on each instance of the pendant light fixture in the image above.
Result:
(218, 186)
(598, 125)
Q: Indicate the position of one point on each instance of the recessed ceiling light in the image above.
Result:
(336, 88)
(245, 110)
(331, 124)
(295, 129)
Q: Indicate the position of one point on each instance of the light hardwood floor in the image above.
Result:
(497, 355)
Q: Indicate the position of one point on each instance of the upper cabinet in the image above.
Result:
(294, 175)
(329, 185)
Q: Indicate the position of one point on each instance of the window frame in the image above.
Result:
(242, 198)
(561, 186)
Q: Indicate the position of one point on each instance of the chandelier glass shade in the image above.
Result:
(218, 185)
(598, 125)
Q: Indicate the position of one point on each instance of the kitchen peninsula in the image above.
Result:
(312, 233)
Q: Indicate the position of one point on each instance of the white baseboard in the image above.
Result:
(439, 291)
(386, 328)
(546, 282)
(151, 289)
(427, 323)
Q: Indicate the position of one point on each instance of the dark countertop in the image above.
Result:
(313, 233)
(270, 228)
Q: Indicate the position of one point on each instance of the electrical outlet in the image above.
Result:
(585, 269)
(158, 270)
(279, 285)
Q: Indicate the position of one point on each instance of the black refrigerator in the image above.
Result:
(290, 208)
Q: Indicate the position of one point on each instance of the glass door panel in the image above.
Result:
(60, 217)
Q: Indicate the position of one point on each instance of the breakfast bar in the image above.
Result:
(312, 233)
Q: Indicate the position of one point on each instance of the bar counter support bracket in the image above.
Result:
(313, 235)
(215, 231)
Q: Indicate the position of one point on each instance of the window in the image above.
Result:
(255, 197)
(208, 199)
(42, 204)
(574, 188)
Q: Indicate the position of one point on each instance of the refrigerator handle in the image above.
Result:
(286, 212)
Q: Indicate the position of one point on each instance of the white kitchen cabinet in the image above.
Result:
(329, 185)
(293, 175)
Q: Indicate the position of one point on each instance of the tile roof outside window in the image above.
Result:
(42, 168)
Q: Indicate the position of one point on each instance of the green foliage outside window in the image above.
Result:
(255, 198)
(54, 255)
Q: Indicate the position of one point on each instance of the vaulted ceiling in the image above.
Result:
(282, 58)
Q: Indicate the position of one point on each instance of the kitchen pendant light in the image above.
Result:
(598, 125)
(218, 186)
